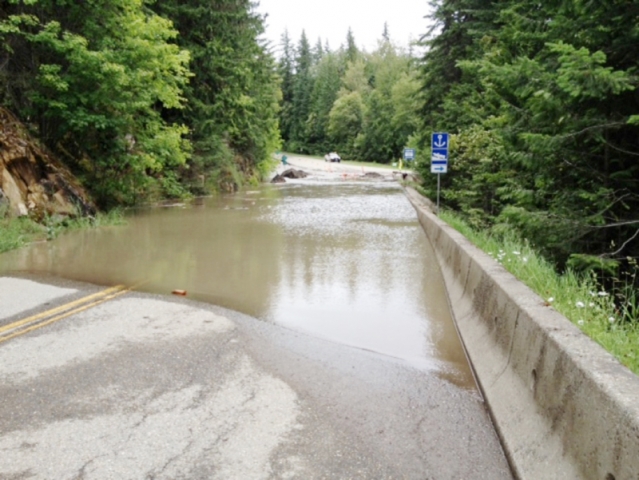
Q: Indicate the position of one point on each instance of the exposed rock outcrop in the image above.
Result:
(32, 181)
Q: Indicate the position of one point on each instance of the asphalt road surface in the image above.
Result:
(113, 384)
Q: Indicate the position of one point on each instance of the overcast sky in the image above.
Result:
(330, 19)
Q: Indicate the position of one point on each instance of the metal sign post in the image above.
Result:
(439, 178)
(439, 158)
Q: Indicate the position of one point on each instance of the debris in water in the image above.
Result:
(179, 292)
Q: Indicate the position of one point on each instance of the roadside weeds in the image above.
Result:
(20, 231)
(607, 317)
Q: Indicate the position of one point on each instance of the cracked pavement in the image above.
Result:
(149, 387)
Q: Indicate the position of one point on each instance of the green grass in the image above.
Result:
(577, 296)
(18, 232)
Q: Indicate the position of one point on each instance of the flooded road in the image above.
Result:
(346, 262)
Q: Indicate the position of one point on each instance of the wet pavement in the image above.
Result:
(345, 261)
(325, 349)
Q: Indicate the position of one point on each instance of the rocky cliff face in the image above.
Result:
(32, 181)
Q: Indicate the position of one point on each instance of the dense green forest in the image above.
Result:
(357, 103)
(146, 99)
(542, 103)
(143, 99)
(542, 100)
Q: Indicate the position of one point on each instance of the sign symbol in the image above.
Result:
(439, 152)
(440, 143)
(439, 168)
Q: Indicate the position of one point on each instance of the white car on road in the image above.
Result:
(332, 157)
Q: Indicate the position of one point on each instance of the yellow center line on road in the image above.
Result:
(61, 308)
(42, 319)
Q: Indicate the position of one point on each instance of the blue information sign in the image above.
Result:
(409, 154)
(439, 152)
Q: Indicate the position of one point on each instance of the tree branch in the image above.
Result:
(622, 247)
(594, 127)
(618, 224)
(627, 152)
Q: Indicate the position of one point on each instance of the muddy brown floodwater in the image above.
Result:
(347, 262)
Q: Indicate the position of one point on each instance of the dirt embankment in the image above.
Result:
(32, 181)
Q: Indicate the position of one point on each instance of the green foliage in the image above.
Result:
(17, 232)
(362, 105)
(542, 101)
(352, 52)
(233, 96)
(582, 74)
(580, 262)
(285, 70)
(323, 96)
(303, 84)
(380, 140)
(345, 120)
(403, 93)
(143, 99)
(480, 181)
(609, 317)
(92, 77)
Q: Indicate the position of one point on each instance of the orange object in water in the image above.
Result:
(179, 292)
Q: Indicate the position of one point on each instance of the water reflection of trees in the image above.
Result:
(360, 248)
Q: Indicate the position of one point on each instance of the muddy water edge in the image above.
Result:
(347, 262)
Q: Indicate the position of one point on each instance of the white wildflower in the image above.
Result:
(603, 294)
(580, 305)
(591, 304)
(580, 322)
(525, 259)
(551, 299)
(611, 319)
(515, 252)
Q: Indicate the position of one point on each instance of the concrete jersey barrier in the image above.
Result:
(563, 407)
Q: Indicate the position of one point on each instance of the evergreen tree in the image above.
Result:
(348, 101)
(352, 53)
(302, 90)
(325, 88)
(385, 33)
(542, 99)
(93, 80)
(287, 76)
(233, 95)
(318, 52)
(380, 141)
(347, 113)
